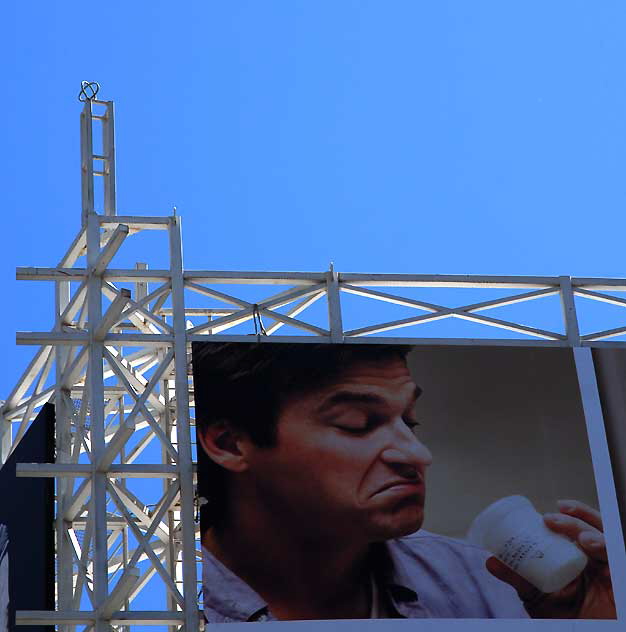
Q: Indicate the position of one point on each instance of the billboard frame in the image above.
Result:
(86, 349)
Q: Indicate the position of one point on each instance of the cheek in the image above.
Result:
(328, 460)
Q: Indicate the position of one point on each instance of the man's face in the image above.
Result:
(347, 462)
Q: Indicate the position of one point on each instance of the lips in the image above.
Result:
(409, 486)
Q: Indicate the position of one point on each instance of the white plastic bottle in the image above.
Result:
(513, 530)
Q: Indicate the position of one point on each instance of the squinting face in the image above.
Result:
(347, 462)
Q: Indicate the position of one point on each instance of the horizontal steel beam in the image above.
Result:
(51, 617)
(163, 340)
(380, 340)
(200, 311)
(136, 221)
(448, 280)
(309, 278)
(129, 617)
(600, 284)
(254, 278)
(82, 338)
(58, 470)
(51, 338)
(255, 338)
(79, 274)
(604, 344)
(306, 278)
(171, 617)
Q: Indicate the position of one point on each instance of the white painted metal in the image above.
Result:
(121, 387)
(108, 147)
(95, 383)
(86, 160)
(63, 411)
(334, 305)
(183, 429)
(569, 311)
(605, 484)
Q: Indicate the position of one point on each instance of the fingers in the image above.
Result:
(526, 591)
(593, 545)
(579, 510)
(568, 525)
(590, 539)
(505, 574)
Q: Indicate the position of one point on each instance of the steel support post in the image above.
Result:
(6, 438)
(568, 305)
(63, 415)
(95, 384)
(108, 148)
(86, 161)
(605, 483)
(183, 428)
(334, 305)
(123, 486)
(171, 550)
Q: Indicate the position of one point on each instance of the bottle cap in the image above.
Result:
(493, 514)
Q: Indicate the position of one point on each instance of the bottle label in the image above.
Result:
(518, 548)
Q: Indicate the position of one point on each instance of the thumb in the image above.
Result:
(501, 571)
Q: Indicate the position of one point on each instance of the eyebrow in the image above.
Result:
(354, 397)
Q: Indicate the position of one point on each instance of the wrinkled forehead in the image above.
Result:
(386, 376)
(387, 369)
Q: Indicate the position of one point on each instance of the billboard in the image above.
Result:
(26, 534)
(369, 481)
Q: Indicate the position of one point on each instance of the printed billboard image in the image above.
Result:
(384, 481)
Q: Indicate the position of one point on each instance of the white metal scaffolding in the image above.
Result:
(116, 365)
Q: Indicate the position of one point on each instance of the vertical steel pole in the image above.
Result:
(171, 550)
(108, 148)
(183, 429)
(6, 438)
(334, 305)
(64, 486)
(603, 472)
(123, 486)
(96, 393)
(141, 287)
(86, 161)
(568, 306)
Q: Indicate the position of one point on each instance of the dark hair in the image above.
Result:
(246, 384)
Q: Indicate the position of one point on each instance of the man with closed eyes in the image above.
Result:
(315, 480)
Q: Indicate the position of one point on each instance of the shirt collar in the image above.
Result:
(228, 594)
(390, 564)
(233, 599)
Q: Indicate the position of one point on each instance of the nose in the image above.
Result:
(405, 451)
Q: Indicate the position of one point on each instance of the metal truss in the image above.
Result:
(116, 365)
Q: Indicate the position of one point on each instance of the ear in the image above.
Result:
(225, 446)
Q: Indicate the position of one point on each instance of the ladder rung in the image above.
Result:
(99, 117)
(98, 157)
(100, 173)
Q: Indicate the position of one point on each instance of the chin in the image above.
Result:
(402, 523)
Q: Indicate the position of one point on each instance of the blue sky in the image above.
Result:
(478, 137)
(448, 137)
